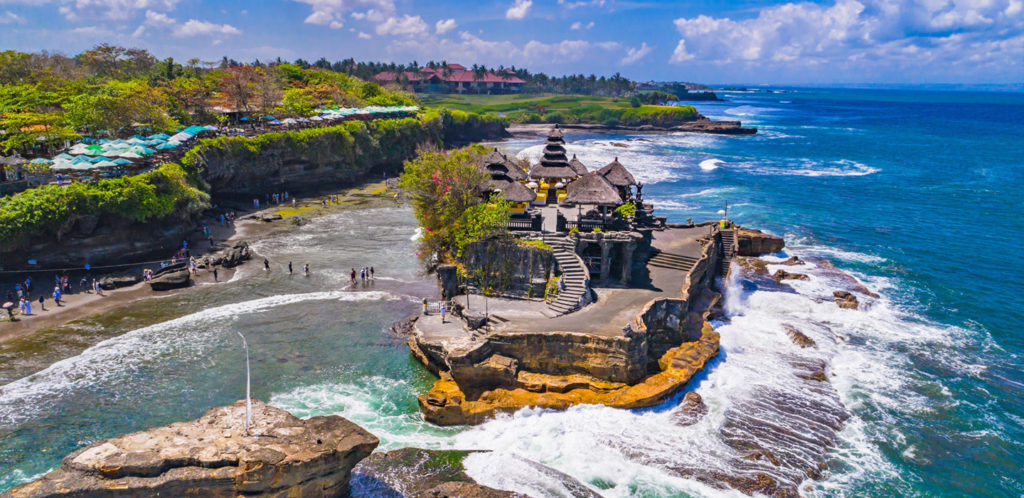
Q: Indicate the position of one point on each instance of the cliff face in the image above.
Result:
(507, 268)
(212, 456)
(757, 243)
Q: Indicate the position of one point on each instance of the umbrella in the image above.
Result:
(40, 160)
(275, 122)
(111, 153)
(194, 130)
(168, 145)
(121, 162)
(159, 136)
(7, 305)
(130, 155)
(94, 147)
(289, 121)
(65, 156)
(104, 164)
(94, 152)
(180, 137)
(272, 118)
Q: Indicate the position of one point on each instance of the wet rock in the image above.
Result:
(846, 300)
(298, 220)
(781, 275)
(267, 218)
(753, 266)
(798, 338)
(235, 255)
(171, 280)
(757, 243)
(213, 456)
(691, 410)
(111, 283)
(792, 261)
(404, 327)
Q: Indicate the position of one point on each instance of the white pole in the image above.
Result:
(248, 398)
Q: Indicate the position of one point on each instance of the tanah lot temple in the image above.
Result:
(588, 297)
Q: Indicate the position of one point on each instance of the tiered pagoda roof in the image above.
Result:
(577, 166)
(554, 164)
(499, 165)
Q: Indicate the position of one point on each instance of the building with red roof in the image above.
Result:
(454, 78)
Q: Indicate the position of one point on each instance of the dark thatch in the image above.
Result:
(617, 174)
(592, 188)
(514, 191)
(499, 164)
(577, 166)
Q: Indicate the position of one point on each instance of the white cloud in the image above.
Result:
(582, 3)
(927, 34)
(406, 26)
(332, 13)
(9, 17)
(75, 10)
(519, 9)
(579, 25)
(194, 27)
(365, 36)
(467, 48)
(445, 26)
(635, 54)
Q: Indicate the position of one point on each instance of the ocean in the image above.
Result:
(914, 194)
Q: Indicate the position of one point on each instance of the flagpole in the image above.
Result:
(248, 397)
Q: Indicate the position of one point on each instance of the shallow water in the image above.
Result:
(913, 193)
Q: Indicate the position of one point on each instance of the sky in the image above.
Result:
(913, 42)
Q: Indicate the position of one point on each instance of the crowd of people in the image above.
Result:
(21, 295)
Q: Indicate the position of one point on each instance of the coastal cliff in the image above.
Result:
(213, 456)
(501, 371)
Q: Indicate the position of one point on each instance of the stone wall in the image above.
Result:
(502, 267)
(755, 243)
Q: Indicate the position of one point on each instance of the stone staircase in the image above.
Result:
(728, 249)
(671, 260)
(574, 273)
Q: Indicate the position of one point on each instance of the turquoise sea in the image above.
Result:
(915, 194)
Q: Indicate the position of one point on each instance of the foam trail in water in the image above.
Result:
(710, 164)
(108, 360)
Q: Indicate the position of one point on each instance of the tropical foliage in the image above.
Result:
(447, 191)
(526, 108)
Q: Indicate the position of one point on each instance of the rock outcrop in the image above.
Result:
(757, 243)
(691, 410)
(235, 255)
(111, 283)
(414, 472)
(213, 456)
(171, 280)
(798, 337)
(781, 275)
(846, 300)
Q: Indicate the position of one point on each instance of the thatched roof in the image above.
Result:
(577, 166)
(592, 188)
(514, 191)
(553, 170)
(499, 164)
(554, 164)
(617, 174)
(555, 134)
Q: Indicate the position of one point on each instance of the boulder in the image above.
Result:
(234, 255)
(111, 283)
(281, 455)
(757, 243)
(846, 300)
(495, 371)
(798, 338)
(267, 218)
(691, 410)
(792, 261)
(781, 275)
(171, 280)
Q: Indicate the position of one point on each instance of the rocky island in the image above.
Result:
(583, 306)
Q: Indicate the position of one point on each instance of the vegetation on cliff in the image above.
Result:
(47, 98)
(448, 191)
(524, 108)
(167, 192)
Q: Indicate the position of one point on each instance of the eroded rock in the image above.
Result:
(798, 338)
(691, 410)
(171, 280)
(846, 300)
(781, 275)
(757, 243)
(213, 456)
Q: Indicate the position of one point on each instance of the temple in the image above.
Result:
(587, 298)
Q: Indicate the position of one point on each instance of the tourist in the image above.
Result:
(424, 306)
(42, 306)
(10, 314)
(214, 274)
(444, 310)
(266, 264)
(184, 244)
(28, 283)
(17, 288)
(289, 267)
(293, 202)
(222, 219)
(84, 284)
(211, 242)
(362, 274)
(352, 274)
(56, 295)
(305, 269)
(371, 273)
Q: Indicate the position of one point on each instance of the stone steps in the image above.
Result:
(573, 274)
(728, 245)
(672, 261)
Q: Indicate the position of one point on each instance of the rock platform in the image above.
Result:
(212, 456)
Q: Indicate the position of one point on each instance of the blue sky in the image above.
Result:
(744, 41)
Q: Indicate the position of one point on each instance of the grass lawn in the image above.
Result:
(560, 108)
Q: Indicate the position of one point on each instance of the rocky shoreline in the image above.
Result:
(697, 126)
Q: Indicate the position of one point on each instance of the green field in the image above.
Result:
(555, 108)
